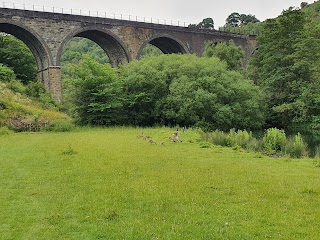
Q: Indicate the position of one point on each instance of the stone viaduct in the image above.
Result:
(47, 33)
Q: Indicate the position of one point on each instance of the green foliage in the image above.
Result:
(20, 113)
(296, 147)
(6, 74)
(216, 137)
(249, 29)
(150, 50)
(170, 89)
(9, 78)
(230, 53)
(286, 65)
(97, 93)
(16, 86)
(239, 138)
(60, 125)
(312, 11)
(77, 47)
(5, 131)
(17, 56)
(69, 151)
(274, 141)
(236, 19)
(35, 89)
(205, 145)
(206, 23)
(146, 84)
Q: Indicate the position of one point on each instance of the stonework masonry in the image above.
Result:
(46, 34)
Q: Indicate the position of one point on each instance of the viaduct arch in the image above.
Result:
(46, 34)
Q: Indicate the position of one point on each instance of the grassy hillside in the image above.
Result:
(313, 11)
(19, 112)
(109, 184)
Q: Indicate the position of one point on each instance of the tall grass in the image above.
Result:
(273, 142)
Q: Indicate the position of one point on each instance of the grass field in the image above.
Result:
(109, 184)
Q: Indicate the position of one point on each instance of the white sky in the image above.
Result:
(188, 11)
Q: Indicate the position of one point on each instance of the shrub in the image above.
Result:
(16, 86)
(5, 131)
(296, 147)
(61, 125)
(317, 152)
(35, 89)
(274, 141)
(205, 145)
(240, 138)
(6, 74)
(187, 90)
(218, 138)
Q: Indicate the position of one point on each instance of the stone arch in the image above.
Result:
(166, 43)
(110, 44)
(35, 43)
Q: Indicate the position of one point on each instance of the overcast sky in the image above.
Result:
(188, 11)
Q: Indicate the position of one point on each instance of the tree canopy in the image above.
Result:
(230, 53)
(287, 67)
(17, 56)
(206, 23)
(236, 19)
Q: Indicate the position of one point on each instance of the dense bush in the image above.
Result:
(60, 125)
(230, 53)
(296, 147)
(190, 91)
(274, 140)
(240, 138)
(6, 74)
(96, 93)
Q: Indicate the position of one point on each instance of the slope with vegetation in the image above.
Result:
(27, 108)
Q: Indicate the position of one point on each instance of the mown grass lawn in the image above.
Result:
(109, 184)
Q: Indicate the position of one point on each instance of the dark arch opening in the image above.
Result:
(110, 45)
(167, 45)
(34, 44)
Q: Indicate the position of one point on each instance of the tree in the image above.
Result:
(96, 93)
(17, 56)
(190, 91)
(287, 66)
(233, 19)
(206, 23)
(245, 19)
(230, 53)
(236, 19)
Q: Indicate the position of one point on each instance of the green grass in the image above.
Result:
(109, 184)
